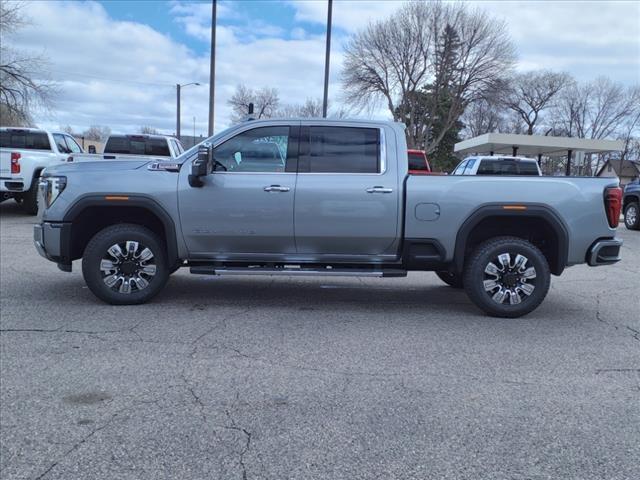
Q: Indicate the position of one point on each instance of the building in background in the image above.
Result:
(626, 170)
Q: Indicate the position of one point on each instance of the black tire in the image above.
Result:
(30, 198)
(452, 279)
(97, 250)
(510, 282)
(632, 216)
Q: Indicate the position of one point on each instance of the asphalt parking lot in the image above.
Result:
(289, 378)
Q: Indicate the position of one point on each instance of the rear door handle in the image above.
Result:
(378, 189)
(276, 188)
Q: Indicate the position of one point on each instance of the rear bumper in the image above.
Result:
(604, 252)
(13, 185)
(52, 241)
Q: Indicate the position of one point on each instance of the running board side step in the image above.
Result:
(325, 272)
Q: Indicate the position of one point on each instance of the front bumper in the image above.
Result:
(604, 252)
(53, 242)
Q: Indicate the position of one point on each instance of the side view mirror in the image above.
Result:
(92, 149)
(201, 166)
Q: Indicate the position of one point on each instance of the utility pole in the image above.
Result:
(178, 111)
(326, 61)
(212, 66)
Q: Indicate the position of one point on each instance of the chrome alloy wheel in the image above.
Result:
(128, 267)
(507, 281)
(631, 215)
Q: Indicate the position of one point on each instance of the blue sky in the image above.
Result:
(117, 62)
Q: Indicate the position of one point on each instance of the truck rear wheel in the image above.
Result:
(632, 216)
(452, 279)
(125, 264)
(507, 277)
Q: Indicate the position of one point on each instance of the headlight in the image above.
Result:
(51, 188)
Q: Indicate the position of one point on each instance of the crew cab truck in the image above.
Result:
(321, 197)
(122, 146)
(24, 153)
(631, 205)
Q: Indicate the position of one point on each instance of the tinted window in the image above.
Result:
(340, 150)
(60, 143)
(417, 161)
(135, 145)
(23, 139)
(259, 150)
(507, 167)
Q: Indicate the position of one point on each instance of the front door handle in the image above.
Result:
(378, 189)
(276, 188)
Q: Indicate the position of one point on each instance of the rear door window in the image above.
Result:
(340, 150)
(24, 139)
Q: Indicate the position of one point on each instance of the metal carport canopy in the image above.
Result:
(533, 145)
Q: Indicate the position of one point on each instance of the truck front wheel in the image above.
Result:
(125, 264)
(507, 277)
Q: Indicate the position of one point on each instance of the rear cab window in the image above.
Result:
(24, 140)
(339, 150)
(504, 166)
(417, 161)
(137, 145)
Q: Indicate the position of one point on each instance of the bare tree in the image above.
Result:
(22, 86)
(454, 53)
(265, 102)
(147, 130)
(484, 116)
(66, 129)
(530, 93)
(311, 108)
(97, 133)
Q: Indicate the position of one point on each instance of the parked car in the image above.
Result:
(418, 163)
(343, 204)
(631, 205)
(497, 166)
(143, 145)
(24, 153)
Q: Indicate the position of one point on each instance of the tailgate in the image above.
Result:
(5, 162)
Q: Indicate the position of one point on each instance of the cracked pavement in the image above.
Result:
(291, 378)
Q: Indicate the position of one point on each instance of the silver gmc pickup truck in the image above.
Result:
(321, 197)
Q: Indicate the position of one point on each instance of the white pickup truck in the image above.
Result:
(119, 147)
(24, 153)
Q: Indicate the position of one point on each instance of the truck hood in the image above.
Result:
(97, 166)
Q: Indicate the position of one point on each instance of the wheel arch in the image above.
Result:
(538, 224)
(92, 213)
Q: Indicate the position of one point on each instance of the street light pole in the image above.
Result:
(178, 87)
(212, 66)
(325, 100)
(178, 111)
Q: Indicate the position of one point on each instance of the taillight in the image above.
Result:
(15, 162)
(613, 205)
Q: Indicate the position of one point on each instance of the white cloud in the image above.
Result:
(123, 73)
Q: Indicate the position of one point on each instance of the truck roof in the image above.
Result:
(152, 136)
(503, 157)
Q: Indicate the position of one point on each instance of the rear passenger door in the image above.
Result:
(347, 193)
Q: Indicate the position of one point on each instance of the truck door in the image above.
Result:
(246, 205)
(347, 193)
